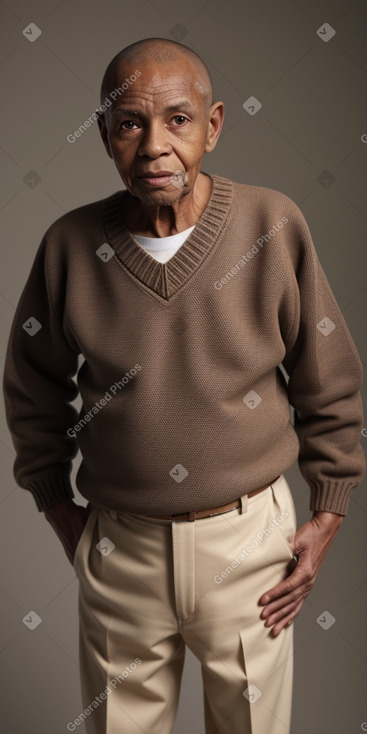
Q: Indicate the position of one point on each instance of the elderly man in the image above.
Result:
(185, 293)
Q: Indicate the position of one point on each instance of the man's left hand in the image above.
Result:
(311, 543)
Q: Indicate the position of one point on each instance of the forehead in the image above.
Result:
(158, 82)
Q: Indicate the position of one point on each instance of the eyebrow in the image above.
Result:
(183, 105)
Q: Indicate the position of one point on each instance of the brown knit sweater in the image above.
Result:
(184, 404)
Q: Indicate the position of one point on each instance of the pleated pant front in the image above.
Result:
(149, 587)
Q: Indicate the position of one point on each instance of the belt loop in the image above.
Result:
(244, 500)
(113, 514)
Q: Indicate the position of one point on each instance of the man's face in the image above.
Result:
(158, 124)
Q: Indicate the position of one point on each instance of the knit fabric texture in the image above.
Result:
(189, 367)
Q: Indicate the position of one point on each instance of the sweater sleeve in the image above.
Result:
(38, 389)
(325, 376)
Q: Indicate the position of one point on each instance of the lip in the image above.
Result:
(157, 178)
(156, 174)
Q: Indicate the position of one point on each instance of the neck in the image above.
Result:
(163, 221)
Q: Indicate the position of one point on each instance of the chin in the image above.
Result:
(160, 198)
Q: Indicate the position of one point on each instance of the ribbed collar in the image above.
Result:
(166, 278)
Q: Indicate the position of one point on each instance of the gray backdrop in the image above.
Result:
(308, 140)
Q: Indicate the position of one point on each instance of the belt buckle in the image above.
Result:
(183, 517)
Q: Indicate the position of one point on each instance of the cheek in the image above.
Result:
(194, 162)
(123, 155)
(123, 146)
(192, 149)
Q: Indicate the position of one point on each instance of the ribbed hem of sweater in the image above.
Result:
(331, 496)
(51, 486)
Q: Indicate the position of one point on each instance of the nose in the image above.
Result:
(153, 142)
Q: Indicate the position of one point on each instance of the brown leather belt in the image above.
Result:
(189, 516)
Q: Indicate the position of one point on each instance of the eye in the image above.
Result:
(127, 122)
(180, 117)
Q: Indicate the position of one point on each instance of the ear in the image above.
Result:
(104, 133)
(215, 124)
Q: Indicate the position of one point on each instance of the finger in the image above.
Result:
(286, 621)
(301, 590)
(280, 613)
(297, 578)
(299, 593)
(282, 602)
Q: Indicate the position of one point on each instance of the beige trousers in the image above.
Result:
(149, 587)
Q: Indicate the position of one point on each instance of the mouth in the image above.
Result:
(159, 178)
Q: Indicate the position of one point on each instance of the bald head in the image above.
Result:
(161, 51)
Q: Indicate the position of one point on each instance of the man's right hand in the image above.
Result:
(68, 520)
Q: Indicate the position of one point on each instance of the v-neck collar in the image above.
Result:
(165, 279)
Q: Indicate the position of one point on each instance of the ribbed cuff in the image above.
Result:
(331, 496)
(51, 486)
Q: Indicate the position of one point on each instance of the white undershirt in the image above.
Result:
(163, 248)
